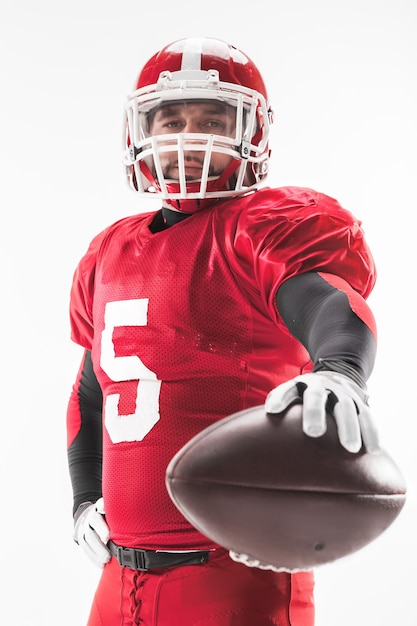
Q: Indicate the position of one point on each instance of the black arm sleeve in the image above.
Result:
(320, 317)
(85, 452)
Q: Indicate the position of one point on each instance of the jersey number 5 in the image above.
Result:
(135, 426)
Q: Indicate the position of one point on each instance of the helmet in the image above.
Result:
(201, 71)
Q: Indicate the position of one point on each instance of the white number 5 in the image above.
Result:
(135, 426)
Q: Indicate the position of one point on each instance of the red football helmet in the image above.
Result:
(198, 70)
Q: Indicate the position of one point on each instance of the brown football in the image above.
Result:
(256, 484)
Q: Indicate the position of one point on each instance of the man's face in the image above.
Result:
(209, 118)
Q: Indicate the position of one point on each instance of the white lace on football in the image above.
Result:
(251, 562)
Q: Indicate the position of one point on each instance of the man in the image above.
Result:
(226, 297)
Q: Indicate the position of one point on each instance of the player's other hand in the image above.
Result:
(329, 391)
(92, 533)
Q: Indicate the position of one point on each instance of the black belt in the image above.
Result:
(137, 559)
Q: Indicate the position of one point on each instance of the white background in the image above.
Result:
(342, 81)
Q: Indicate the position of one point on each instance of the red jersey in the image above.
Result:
(184, 330)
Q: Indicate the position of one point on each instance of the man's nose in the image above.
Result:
(191, 127)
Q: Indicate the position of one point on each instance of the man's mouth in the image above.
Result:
(192, 168)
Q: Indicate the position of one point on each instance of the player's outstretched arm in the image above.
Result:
(336, 327)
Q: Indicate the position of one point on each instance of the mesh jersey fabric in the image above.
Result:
(184, 330)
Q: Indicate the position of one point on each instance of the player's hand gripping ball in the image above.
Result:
(257, 485)
(335, 392)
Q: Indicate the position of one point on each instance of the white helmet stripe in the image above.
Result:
(191, 57)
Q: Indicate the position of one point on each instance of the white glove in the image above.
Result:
(92, 533)
(250, 562)
(335, 392)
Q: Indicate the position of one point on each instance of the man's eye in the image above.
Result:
(172, 124)
(215, 124)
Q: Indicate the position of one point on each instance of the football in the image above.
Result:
(254, 483)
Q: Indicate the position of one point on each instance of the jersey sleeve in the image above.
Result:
(292, 231)
(321, 317)
(81, 296)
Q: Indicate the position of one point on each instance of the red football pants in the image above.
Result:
(218, 593)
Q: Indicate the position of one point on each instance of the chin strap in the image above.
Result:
(192, 205)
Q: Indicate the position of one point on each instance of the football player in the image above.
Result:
(229, 295)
